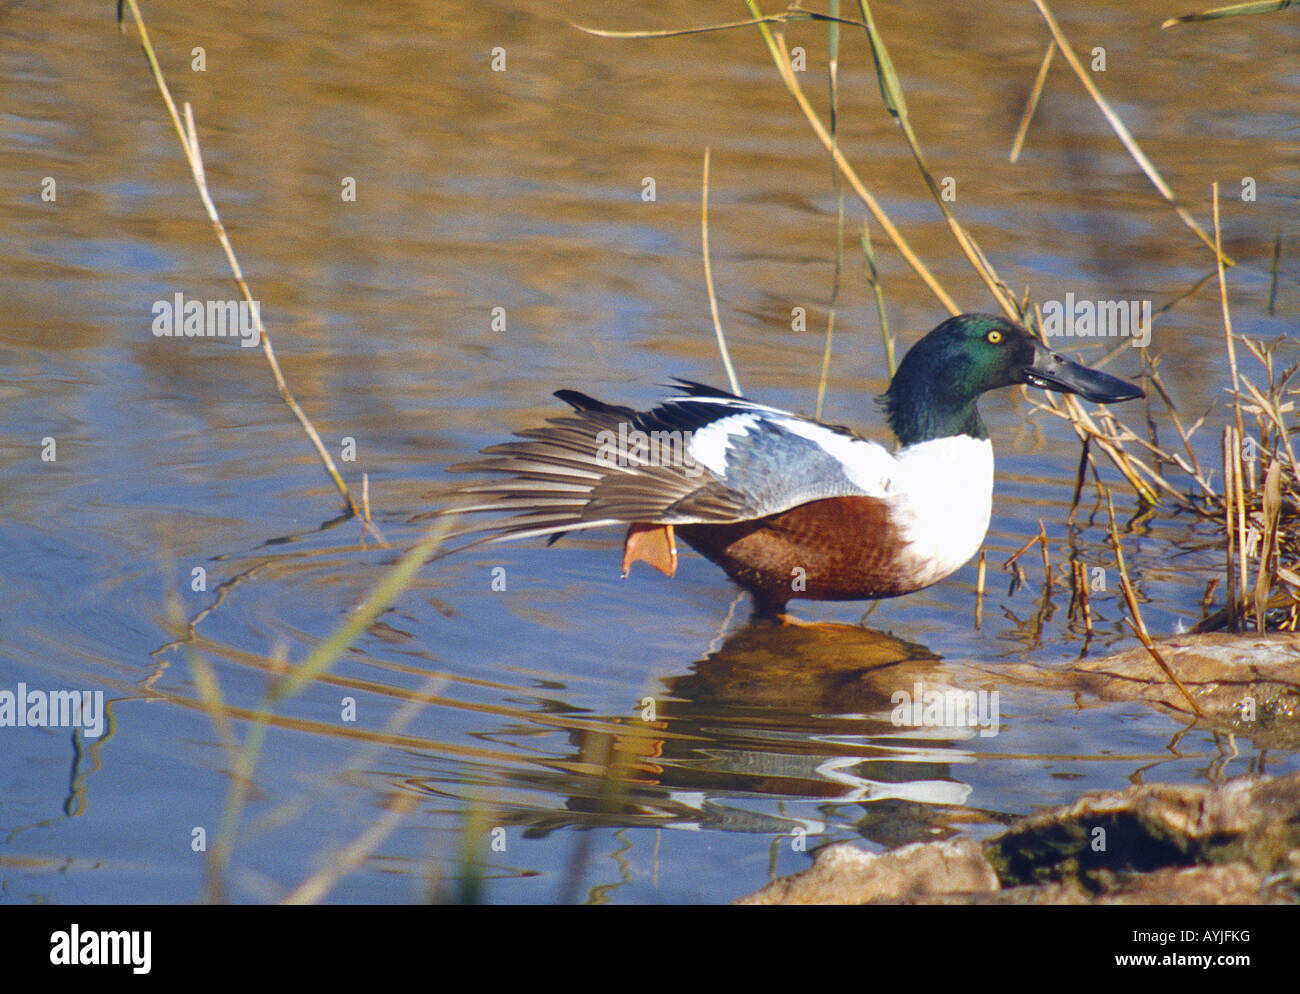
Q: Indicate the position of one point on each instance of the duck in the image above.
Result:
(789, 507)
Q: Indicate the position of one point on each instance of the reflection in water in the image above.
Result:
(778, 711)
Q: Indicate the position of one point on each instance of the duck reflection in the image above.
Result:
(832, 714)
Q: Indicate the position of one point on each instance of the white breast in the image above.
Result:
(942, 501)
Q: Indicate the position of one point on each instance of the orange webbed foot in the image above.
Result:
(653, 544)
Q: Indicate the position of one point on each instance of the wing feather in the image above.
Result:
(711, 458)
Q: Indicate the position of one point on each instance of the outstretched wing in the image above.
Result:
(708, 457)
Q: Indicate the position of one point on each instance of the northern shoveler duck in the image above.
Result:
(789, 507)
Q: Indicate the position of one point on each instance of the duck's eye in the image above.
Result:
(994, 337)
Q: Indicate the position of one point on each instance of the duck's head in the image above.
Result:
(933, 393)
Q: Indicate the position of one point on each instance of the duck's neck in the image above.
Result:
(921, 411)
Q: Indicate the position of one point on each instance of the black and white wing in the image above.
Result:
(708, 457)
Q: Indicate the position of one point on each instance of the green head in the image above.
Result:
(933, 393)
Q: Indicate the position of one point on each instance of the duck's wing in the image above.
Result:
(708, 457)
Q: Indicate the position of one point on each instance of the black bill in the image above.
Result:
(1052, 371)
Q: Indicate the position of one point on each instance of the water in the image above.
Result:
(735, 750)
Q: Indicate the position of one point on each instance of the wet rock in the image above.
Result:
(1243, 683)
(844, 874)
(1238, 843)
(1235, 883)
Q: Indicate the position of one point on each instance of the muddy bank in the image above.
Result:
(1233, 843)
(1238, 843)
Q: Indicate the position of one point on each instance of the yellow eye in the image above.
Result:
(994, 337)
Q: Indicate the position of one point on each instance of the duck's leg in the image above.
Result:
(772, 608)
(769, 608)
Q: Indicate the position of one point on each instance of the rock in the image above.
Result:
(1238, 843)
(1248, 684)
(844, 874)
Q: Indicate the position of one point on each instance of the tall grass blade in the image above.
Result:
(1121, 130)
(1233, 10)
